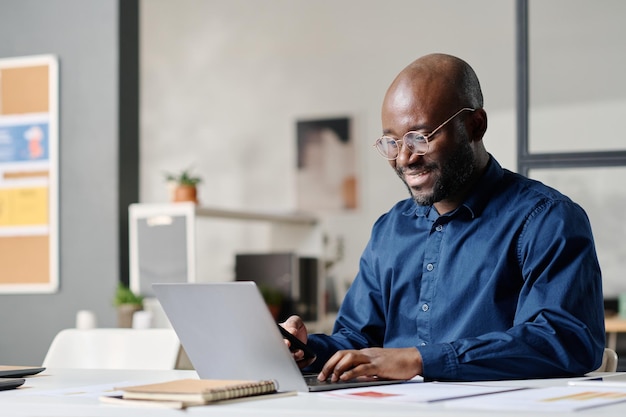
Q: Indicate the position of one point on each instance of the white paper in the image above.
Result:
(565, 398)
(616, 380)
(417, 393)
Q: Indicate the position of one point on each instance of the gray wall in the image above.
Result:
(83, 35)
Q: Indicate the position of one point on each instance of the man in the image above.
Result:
(482, 274)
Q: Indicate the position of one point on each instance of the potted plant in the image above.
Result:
(273, 298)
(184, 186)
(126, 303)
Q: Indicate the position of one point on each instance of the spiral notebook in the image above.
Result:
(228, 333)
(183, 393)
(201, 391)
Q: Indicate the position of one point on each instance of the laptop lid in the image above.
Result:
(228, 332)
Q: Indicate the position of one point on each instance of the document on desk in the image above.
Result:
(85, 391)
(546, 399)
(615, 380)
(427, 392)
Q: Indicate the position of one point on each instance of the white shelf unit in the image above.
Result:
(299, 233)
(289, 218)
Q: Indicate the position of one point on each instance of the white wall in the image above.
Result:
(223, 83)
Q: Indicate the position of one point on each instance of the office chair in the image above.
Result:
(609, 361)
(114, 348)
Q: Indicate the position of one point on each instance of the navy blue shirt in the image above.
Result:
(506, 286)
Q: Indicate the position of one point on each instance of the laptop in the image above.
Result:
(228, 332)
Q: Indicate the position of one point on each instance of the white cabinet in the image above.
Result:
(284, 232)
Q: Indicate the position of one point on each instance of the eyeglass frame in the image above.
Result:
(418, 134)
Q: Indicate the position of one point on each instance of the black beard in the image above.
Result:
(456, 171)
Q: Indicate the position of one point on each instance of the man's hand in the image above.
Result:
(296, 327)
(389, 363)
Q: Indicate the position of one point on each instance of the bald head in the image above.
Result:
(450, 79)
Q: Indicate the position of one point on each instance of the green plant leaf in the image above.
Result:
(184, 178)
(124, 295)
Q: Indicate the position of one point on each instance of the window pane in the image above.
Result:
(577, 65)
(599, 192)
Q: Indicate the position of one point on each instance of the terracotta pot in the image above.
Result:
(186, 193)
(125, 314)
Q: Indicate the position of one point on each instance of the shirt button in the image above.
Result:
(439, 228)
(423, 344)
(425, 307)
(430, 267)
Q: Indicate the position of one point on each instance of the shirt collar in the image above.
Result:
(483, 189)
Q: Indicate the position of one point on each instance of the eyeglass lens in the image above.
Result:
(389, 147)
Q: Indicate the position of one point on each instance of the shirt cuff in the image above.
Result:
(439, 361)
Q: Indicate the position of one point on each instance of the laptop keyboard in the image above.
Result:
(312, 381)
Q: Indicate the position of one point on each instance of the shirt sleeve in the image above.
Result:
(558, 328)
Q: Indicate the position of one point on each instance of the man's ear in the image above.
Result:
(477, 125)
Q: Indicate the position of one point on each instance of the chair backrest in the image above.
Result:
(114, 348)
(609, 361)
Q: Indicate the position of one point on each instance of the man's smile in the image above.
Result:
(416, 178)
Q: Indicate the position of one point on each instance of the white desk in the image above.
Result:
(38, 398)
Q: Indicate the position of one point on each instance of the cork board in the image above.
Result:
(24, 90)
(28, 174)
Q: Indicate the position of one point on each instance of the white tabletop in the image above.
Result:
(65, 392)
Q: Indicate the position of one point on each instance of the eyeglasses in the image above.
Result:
(415, 141)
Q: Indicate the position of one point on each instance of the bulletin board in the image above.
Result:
(29, 174)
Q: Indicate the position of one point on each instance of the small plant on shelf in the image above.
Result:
(126, 302)
(184, 178)
(124, 295)
(184, 186)
(273, 298)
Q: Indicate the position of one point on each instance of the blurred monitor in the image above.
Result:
(293, 276)
(162, 245)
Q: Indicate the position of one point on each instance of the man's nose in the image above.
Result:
(405, 156)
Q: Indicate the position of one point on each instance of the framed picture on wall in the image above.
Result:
(326, 168)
